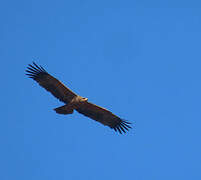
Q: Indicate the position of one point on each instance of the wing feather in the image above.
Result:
(103, 116)
(51, 84)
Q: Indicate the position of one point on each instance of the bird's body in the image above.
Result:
(75, 102)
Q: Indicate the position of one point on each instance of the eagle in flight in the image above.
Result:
(75, 102)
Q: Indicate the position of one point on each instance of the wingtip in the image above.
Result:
(122, 127)
(34, 70)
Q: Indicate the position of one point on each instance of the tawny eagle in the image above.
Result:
(75, 102)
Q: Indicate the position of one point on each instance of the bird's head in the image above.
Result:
(84, 99)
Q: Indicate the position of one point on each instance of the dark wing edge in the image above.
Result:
(51, 84)
(35, 72)
(123, 126)
(105, 117)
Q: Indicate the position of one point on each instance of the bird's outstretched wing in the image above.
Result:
(50, 83)
(103, 116)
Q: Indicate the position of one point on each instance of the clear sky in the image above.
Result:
(141, 59)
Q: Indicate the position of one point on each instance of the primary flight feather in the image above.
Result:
(75, 102)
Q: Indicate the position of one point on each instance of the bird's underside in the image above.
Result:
(75, 102)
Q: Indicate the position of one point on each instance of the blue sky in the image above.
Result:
(139, 59)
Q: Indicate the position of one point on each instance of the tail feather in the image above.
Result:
(64, 110)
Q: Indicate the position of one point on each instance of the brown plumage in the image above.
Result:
(75, 102)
